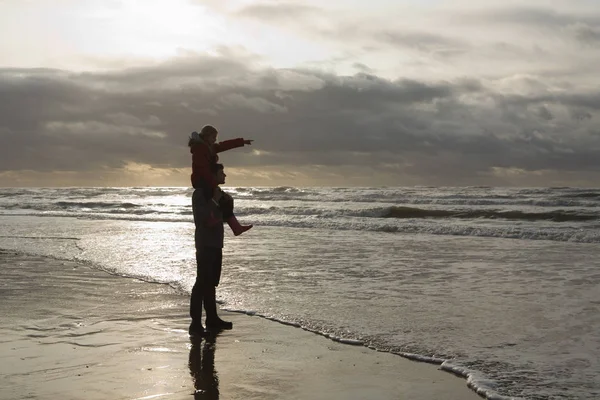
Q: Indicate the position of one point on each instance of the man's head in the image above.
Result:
(219, 172)
(209, 133)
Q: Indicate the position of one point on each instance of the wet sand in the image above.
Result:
(72, 332)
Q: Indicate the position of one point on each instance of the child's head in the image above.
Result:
(209, 133)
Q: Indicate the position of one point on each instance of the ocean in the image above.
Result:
(498, 285)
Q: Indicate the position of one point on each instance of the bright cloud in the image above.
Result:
(431, 92)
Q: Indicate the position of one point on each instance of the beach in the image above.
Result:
(71, 332)
(496, 285)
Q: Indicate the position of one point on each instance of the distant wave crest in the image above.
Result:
(94, 204)
(556, 216)
(585, 195)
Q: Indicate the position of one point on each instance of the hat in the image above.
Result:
(195, 136)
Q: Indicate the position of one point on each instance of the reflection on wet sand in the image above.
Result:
(202, 368)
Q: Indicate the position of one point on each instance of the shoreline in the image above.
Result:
(71, 331)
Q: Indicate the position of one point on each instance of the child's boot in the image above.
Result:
(236, 227)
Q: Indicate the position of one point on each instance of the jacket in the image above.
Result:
(205, 156)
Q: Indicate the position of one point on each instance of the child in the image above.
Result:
(204, 149)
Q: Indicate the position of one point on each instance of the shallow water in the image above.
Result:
(492, 295)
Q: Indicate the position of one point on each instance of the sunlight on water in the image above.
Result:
(502, 282)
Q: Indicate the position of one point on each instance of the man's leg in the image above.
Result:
(196, 309)
(198, 292)
(213, 322)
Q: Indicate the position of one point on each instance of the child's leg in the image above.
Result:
(226, 206)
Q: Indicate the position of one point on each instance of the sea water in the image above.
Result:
(498, 285)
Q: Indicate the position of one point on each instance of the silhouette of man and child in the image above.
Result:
(211, 208)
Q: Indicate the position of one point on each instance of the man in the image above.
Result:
(208, 218)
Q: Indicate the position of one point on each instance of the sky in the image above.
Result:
(336, 93)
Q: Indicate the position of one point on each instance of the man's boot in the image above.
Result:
(213, 322)
(236, 227)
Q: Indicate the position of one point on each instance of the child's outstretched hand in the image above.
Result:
(248, 141)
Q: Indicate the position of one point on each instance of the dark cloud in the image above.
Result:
(455, 131)
(587, 34)
(424, 41)
(376, 37)
(363, 68)
(534, 17)
(544, 113)
(582, 27)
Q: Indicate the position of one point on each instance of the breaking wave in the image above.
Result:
(556, 215)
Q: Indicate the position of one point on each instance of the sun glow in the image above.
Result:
(161, 28)
(158, 16)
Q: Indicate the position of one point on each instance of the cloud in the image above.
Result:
(457, 131)
(586, 34)
(279, 11)
(344, 27)
(530, 16)
(258, 104)
(578, 24)
(418, 40)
